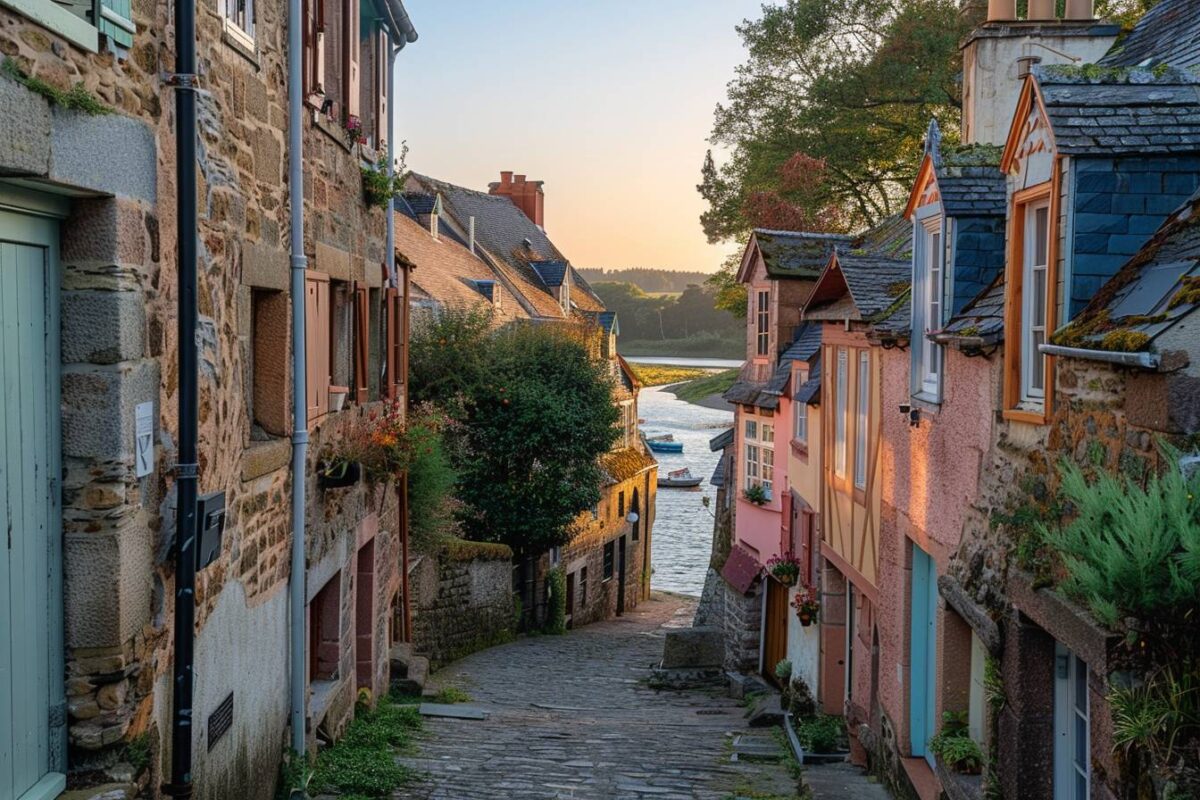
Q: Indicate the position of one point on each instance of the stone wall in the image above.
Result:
(461, 602)
(118, 300)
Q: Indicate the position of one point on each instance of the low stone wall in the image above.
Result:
(462, 600)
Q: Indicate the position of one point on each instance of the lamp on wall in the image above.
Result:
(632, 517)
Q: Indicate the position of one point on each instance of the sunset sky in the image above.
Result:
(608, 101)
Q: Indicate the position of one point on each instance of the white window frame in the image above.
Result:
(841, 409)
(1072, 726)
(932, 293)
(762, 322)
(759, 459)
(768, 471)
(800, 410)
(242, 30)
(1033, 333)
(862, 422)
(752, 464)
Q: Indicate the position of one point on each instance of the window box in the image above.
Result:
(339, 475)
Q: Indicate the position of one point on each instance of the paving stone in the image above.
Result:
(451, 711)
(576, 717)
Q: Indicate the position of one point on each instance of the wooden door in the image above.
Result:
(775, 629)
(923, 631)
(31, 751)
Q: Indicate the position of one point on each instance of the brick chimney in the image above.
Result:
(526, 195)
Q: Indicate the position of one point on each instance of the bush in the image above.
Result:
(955, 747)
(431, 479)
(363, 762)
(556, 607)
(783, 670)
(821, 733)
(1129, 551)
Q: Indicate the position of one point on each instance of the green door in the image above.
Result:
(31, 671)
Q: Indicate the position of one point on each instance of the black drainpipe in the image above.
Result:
(185, 471)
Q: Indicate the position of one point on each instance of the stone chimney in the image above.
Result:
(526, 195)
(998, 55)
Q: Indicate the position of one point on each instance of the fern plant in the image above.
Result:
(1130, 551)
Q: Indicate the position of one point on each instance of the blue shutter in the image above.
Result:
(115, 20)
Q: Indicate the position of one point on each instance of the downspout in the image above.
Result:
(186, 478)
(299, 562)
(1142, 359)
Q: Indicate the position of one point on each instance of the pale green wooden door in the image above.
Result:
(31, 676)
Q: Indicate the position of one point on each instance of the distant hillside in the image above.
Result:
(648, 280)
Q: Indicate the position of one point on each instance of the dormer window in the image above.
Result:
(762, 322)
(1031, 308)
(929, 291)
(1036, 248)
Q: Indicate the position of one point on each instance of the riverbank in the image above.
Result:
(693, 347)
(706, 390)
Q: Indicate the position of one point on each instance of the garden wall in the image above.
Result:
(462, 600)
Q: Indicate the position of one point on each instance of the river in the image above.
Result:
(684, 361)
(682, 538)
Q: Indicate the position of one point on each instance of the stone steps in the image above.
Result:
(409, 672)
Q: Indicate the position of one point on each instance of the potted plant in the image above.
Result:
(338, 472)
(354, 128)
(756, 494)
(807, 605)
(954, 745)
(378, 186)
(785, 568)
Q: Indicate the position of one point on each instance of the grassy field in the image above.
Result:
(657, 375)
(714, 383)
(694, 347)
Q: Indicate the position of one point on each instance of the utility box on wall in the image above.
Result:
(210, 525)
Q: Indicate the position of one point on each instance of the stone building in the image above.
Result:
(490, 250)
(90, 272)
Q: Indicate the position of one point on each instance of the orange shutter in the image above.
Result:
(392, 362)
(316, 324)
(362, 342)
(350, 60)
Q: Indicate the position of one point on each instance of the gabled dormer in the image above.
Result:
(556, 276)
(1097, 157)
(956, 207)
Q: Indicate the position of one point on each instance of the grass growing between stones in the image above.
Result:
(362, 765)
(451, 695)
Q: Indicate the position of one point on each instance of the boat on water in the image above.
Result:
(664, 446)
(679, 479)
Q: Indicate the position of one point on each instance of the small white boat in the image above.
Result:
(679, 479)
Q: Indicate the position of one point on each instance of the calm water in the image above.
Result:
(682, 539)
(681, 361)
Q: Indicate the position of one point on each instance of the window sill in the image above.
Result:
(263, 458)
(334, 131)
(927, 400)
(240, 42)
(800, 449)
(1025, 415)
(58, 20)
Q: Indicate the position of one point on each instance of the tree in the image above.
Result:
(447, 356)
(532, 437)
(825, 119)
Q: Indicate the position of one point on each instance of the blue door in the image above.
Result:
(31, 672)
(923, 683)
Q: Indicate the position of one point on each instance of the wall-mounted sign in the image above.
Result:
(144, 438)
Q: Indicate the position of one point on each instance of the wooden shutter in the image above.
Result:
(350, 59)
(316, 323)
(383, 47)
(116, 22)
(393, 309)
(362, 341)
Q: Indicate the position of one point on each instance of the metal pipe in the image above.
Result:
(299, 263)
(186, 470)
(390, 248)
(1143, 360)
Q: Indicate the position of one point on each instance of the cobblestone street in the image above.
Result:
(572, 717)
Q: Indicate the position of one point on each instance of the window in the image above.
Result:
(762, 318)
(1035, 262)
(555, 556)
(800, 410)
(621, 505)
(341, 338)
(324, 630)
(609, 551)
(268, 396)
(316, 298)
(840, 412)
(860, 426)
(239, 18)
(394, 310)
(362, 343)
(929, 283)
(364, 616)
(582, 587)
(375, 344)
(760, 457)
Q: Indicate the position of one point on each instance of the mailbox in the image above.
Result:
(210, 524)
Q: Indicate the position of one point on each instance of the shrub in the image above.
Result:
(556, 607)
(783, 670)
(959, 752)
(821, 733)
(1129, 551)
(363, 762)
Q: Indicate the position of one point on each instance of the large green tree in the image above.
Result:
(533, 432)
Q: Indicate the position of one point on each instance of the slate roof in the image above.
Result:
(718, 475)
(796, 254)
(420, 202)
(1116, 110)
(981, 322)
(875, 283)
(810, 392)
(877, 272)
(551, 272)
(448, 274)
(1156, 289)
(721, 440)
(806, 345)
(1169, 33)
(973, 191)
(605, 319)
(891, 238)
(503, 230)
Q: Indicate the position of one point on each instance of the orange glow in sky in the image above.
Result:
(609, 102)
